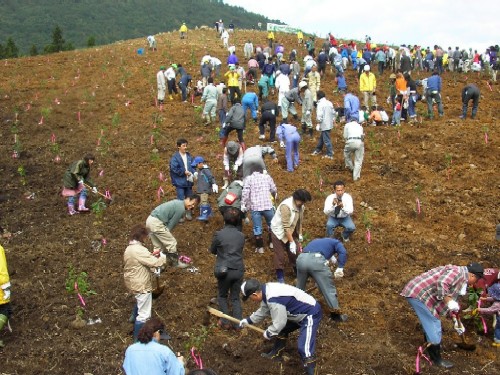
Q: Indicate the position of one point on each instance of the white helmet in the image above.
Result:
(367, 68)
(302, 84)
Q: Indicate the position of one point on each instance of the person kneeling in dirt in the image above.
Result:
(163, 220)
(434, 294)
(253, 159)
(138, 261)
(233, 154)
(148, 356)
(314, 261)
(76, 180)
(290, 309)
(5, 307)
(227, 245)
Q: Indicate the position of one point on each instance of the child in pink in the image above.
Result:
(493, 296)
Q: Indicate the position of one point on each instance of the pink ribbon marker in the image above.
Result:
(107, 194)
(152, 139)
(161, 177)
(104, 242)
(485, 137)
(82, 301)
(418, 206)
(368, 236)
(53, 138)
(78, 116)
(485, 328)
(101, 173)
(41, 121)
(196, 358)
(160, 192)
(420, 353)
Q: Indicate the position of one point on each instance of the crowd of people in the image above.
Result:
(282, 84)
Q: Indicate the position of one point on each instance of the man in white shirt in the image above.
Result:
(160, 79)
(354, 145)
(339, 208)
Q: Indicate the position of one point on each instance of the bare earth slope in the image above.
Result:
(109, 94)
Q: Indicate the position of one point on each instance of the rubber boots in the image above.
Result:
(277, 350)
(137, 327)
(205, 212)
(71, 209)
(435, 354)
(310, 365)
(81, 204)
(336, 316)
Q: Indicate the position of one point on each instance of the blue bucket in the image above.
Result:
(140, 51)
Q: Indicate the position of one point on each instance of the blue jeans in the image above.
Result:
(325, 139)
(344, 222)
(253, 109)
(430, 324)
(497, 330)
(184, 192)
(257, 220)
(412, 101)
(83, 195)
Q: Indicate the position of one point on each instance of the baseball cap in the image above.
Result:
(164, 335)
(249, 287)
(476, 269)
(197, 160)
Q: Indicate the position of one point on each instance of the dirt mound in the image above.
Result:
(102, 100)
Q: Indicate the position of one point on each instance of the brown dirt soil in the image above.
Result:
(460, 209)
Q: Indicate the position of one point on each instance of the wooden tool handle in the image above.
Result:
(220, 314)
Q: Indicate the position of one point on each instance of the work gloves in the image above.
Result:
(235, 168)
(459, 327)
(94, 190)
(215, 188)
(333, 259)
(301, 238)
(453, 306)
(282, 144)
(244, 323)
(318, 127)
(293, 248)
(308, 113)
(339, 273)
(6, 291)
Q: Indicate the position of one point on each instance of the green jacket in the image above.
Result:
(170, 213)
(78, 171)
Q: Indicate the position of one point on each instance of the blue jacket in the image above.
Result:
(367, 55)
(205, 180)
(268, 69)
(177, 170)
(152, 359)
(250, 98)
(328, 247)
(285, 69)
(341, 83)
(351, 107)
(434, 83)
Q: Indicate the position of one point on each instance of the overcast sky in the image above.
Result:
(449, 23)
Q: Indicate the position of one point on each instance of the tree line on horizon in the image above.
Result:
(27, 24)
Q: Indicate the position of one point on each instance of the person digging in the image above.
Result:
(74, 180)
(290, 309)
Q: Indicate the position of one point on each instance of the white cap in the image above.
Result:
(278, 72)
(367, 68)
(302, 84)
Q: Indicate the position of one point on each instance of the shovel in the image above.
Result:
(463, 345)
(158, 290)
(101, 194)
(220, 314)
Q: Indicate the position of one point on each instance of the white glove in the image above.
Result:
(215, 188)
(195, 175)
(267, 335)
(318, 127)
(333, 259)
(80, 182)
(94, 190)
(190, 178)
(301, 238)
(293, 248)
(282, 144)
(157, 271)
(459, 327)
(308, 113)
(224, 125)
(6, 294)
(235, 167)
(453, 306)
(163, 256)
(244, 323)
(339, 273)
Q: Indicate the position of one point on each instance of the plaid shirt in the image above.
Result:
(432, 286)
(257, 190)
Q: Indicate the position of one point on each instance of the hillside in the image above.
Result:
(102, 100)
(31, 22)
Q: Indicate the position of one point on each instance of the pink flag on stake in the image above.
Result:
(161, 177)
(78, 115)
(101, 173)
(82, 301)
(53, 138)
(485, 137)
(41, 121)
(418, 205)
(104, 242)
(368, 236)
(107, 194)
(488, 83)
(160, 192)
(152, 139)
(99, 141)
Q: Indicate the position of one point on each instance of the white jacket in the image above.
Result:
(325, 114)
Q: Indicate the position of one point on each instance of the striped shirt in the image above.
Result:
(257, 190)
(432, 286)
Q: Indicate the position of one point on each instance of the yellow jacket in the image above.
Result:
(183, 29)
(367, 82)
(270, 35)
(300, 35)
(232, 78)
(4, 276)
